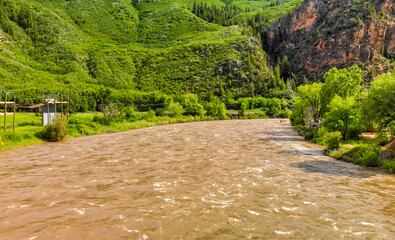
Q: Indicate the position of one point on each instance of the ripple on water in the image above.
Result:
(214, 180)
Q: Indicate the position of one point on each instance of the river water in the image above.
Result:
(204, 180)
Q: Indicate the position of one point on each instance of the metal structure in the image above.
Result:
(6, 103)
(49, 110)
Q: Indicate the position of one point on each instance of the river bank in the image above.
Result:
(83, 124)
(80, 124)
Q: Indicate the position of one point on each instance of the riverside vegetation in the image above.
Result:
(143, 63)
(346, 110)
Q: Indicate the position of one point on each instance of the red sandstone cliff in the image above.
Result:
(322, 34)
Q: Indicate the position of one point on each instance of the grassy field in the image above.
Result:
(29, 124)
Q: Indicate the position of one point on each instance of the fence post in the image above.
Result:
(5, 112)
(13, 122)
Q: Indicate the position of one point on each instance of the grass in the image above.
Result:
(271, 12)
(28, 125)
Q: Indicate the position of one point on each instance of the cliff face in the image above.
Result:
(322, 34)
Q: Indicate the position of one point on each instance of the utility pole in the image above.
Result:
(61, 104)
(5, 112)
(55, 100)
(13, 122)
(68, 107)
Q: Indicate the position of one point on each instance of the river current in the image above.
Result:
(241, 179)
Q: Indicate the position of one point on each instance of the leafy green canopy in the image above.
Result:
(343, 83)
(380, 103)
(101, 50)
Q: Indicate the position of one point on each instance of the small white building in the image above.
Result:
(49, 110)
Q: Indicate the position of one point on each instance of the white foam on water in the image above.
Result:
(308, 203)
(283, 233)
(359, 233)
(121, 216)
(169, 200)
(326, 219)
(233, 220)
(334, 226)
(80, 211)
(368, 224)
(143, 237)
(220, 191)
(276, 210)
(252, 212)
(32, 238)
(290, 208)
(130, 230)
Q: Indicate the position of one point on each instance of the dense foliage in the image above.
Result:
(339, 110)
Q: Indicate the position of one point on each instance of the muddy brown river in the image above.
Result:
(247, 179)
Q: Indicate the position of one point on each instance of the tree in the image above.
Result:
(175, 108)
(344, 115)
(344, 83)
(191, 105)
(217, 110)
(380, 104)
(308, 103)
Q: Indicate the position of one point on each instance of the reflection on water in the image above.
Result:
(207, 180)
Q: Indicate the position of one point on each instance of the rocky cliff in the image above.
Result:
(322, 34)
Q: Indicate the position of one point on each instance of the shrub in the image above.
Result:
(389, 165)
(192, 106)
(216, 110)
(309, 133)
(332, 139)
(175, 108)
(335, 154)
(160, 112)
(382, 139)
(370, 159)
(243, 108)
(55, 131)
(150, 114)
(367, 155)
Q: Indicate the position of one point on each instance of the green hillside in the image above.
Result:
(94, 47)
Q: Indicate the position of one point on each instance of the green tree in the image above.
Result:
(191, 105)
(380, 104)
(344, 83)
(344, 115)
(175, 108)
(216, 110)
(308, 103)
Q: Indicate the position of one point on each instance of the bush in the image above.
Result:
(55, 131)
(369, 159)
(382, 139)
(192, 106)
(332, 140)
(389, 165)
(335, 154)
(216, 110)
(367, 155)
(175, 109)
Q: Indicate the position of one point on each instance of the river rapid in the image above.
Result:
(241, 179)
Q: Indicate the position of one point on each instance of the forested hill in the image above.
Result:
(322, 34)
(96, 47)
